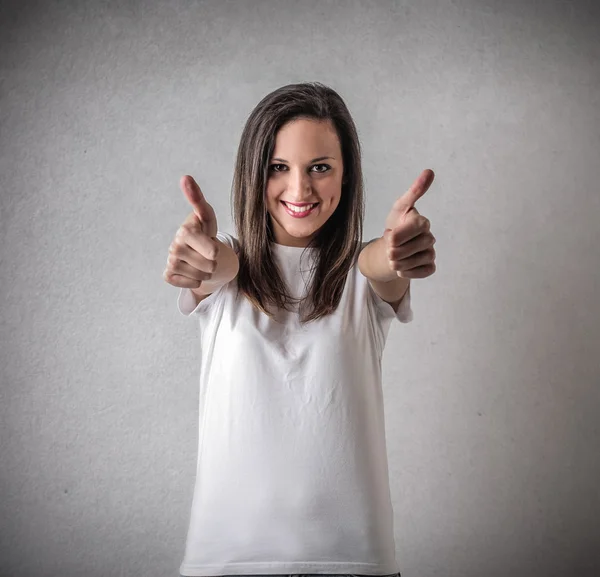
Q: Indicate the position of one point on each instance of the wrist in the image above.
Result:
(390, 277)
(374, 263)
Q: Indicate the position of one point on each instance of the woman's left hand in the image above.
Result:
(408, 239)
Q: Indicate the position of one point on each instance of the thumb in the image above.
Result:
(192, 192)
(415, 192)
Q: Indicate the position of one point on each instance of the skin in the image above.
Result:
(295, 176)
(307, 167)
(299, 174)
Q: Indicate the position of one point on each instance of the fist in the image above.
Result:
(193, 252)
(408, 239)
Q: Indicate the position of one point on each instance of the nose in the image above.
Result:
(299, 185)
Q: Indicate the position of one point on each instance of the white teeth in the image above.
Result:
(299, 208)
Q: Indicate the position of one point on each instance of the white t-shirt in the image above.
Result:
(292, 471)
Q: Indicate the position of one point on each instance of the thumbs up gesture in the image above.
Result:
(193, 253)
(205, 214)
(408, 240)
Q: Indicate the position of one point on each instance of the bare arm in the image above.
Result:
(373, 263)
(225, 271)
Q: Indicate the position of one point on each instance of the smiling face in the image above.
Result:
(305, 180)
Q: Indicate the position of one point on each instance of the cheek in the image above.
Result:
(331, 193)
(271, 197)
(332, 199)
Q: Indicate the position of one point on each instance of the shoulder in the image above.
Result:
(229, 240)
(367, 242)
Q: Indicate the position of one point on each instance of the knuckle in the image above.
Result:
(185, 230)
(213, 252)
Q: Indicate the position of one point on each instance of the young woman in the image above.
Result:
(294, 312)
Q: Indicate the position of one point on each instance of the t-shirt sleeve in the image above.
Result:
(404, 313)
(186, 302)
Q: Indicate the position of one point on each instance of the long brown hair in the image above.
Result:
(339, 238)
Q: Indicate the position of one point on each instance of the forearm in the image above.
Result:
(225, 271)
(373, 262)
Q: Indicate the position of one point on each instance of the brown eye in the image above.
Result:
(327, 168)
(273, 169)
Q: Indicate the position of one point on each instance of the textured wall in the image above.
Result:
(492, 393)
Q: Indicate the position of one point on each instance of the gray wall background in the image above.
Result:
(492, 393)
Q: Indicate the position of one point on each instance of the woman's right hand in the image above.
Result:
(194, 250)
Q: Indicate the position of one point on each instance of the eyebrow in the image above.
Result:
(313, 160)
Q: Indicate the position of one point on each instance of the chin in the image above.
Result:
(301, 234)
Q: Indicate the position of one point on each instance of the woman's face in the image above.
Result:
(305, 174)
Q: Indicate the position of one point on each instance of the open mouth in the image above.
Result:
(299, 211)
